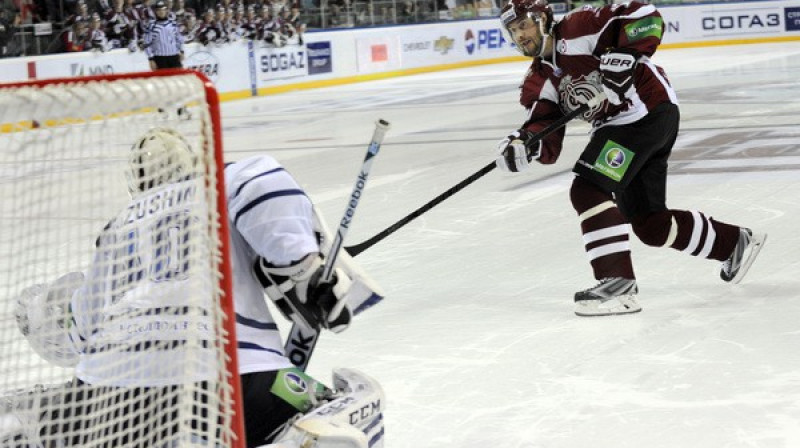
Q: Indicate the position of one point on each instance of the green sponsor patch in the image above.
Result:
(649, 26)
(296, 388)
(614, 160)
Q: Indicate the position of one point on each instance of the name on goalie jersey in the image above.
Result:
(159, 201)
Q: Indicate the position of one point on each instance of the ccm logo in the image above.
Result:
(365, 412)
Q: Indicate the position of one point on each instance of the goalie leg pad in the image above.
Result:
(354, 419)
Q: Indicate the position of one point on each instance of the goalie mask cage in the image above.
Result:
(139, 351)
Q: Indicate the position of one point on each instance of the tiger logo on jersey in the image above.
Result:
(574, 92)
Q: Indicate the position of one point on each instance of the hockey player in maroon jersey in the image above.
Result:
(620, 177)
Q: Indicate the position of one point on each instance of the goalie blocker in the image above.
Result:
(301, 296)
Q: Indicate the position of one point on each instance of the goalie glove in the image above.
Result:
(517, 151)
(301, 296)
(44, 318)
(616, 68)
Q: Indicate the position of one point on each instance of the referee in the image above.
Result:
(163, 41)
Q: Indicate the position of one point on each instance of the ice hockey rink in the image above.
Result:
(476, 343)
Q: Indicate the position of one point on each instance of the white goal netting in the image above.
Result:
(115, 323)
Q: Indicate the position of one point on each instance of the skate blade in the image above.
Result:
(594, 308)
(757, 243)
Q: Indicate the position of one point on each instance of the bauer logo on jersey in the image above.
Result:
(649, 26)
(614, 160)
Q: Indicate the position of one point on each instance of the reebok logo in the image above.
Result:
(302, 346)
(354, 197)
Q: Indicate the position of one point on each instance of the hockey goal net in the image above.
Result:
(123, 295)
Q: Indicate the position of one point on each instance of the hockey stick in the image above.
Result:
(303, 339)
(361, 247)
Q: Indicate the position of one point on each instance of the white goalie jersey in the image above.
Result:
(270, 217)
(133, 309)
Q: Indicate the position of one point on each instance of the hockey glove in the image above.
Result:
(517, 151)
(327, 301)
(44, 317)
(617, 67)
(300, 296)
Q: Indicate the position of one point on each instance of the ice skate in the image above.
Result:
(744, 254)
(611, 296)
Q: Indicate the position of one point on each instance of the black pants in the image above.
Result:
(630, 161)
(163, 62)
(264, 412)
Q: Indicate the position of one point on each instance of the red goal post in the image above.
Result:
(64, 148)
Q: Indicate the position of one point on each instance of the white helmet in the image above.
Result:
(159, 157)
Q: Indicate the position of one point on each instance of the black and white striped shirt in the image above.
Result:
(163, 38)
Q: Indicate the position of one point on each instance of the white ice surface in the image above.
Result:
(476, 343)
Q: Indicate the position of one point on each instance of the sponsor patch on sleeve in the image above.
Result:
(646, 27)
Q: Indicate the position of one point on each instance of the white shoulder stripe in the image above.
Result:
(585, 45)
(549, 92)
(673, 97)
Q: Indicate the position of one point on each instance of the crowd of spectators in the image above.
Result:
(122, 24)
(360, 13)
(100, 25)
(103, 25)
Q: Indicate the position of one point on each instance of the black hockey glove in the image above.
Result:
(302, 298)
(517, 151)
(616, 68)
(324, 301)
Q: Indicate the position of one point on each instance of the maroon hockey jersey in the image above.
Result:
(556, 86)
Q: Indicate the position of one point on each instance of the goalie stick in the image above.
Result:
(364, 245)
(302, 338)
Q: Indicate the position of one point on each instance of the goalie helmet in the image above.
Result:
(516, 11)
(160, 156)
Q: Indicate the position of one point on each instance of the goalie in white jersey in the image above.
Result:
(134, 296)
(276, 231)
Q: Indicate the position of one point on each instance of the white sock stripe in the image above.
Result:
(608, 232)
(711, 236)
(673, 233)
(697, 230)
(606, 249)
(596, 210)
